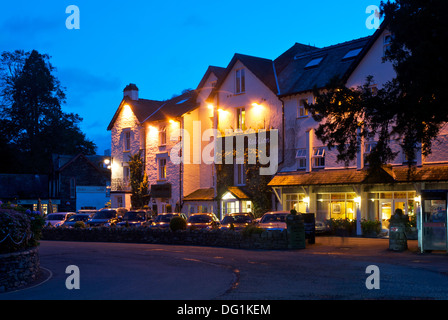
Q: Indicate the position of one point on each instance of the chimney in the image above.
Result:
(131, 91)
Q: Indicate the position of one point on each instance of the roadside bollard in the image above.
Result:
(296, 231)
(397, 232)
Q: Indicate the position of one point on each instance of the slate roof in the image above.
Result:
(296, 78)
(205, 194)
(174, 107)
(398, 174)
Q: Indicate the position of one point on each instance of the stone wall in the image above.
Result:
(268, 240)
(18, 269)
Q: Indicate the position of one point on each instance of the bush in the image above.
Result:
(18, 230)
(370, 228)
(342, 227)
(252, 229)
(79, 224)
(178, 223)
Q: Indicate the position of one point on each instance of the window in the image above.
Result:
(240, 175)
(314, 62)
(387, 42)
(72, 187)
(352, 54)
(127, 140)
(241, 118)
(162, 169)
(301, 110)
(319, 157)
(162, 136)
(126, 174)
(240, 81)
(301, 158)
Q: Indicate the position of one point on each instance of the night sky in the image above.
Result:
(164, 46)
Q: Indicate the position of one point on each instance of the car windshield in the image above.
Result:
(200, 219)
(78, 217)
(105, 214)
(163, 218)
(134, 216)
(236, 219)
(56, 217)
(267, 218)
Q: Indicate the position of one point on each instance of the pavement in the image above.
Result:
(332, 268)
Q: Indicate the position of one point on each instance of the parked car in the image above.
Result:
(321, 227)
(70, 222)
(162, 220)
(58, 218)
(133, 219)
(239, 221)
(202, 221)
(273, 220)
(106, 217)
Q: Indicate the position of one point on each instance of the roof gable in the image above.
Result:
(142, 108)
(263, 69)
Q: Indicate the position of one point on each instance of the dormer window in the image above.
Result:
(240, 81)
(314, 62)
(352, 54)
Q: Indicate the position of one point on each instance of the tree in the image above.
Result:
(33, 123)
(411, 108)
(139, 182)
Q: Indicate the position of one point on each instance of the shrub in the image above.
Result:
(370, 228)
(252, 229)
(342, 227)
(79, 224)
(178, 223)
(19, 230)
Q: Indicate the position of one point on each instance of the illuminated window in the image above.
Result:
(301, 110)
(241, 118)
(240, 81)
(162, 169)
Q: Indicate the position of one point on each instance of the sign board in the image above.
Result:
(161, 190)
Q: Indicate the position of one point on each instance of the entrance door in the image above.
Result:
(385, 212)
(434, 224)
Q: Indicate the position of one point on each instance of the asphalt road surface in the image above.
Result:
(333, 268)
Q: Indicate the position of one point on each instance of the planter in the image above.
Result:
(19, 268)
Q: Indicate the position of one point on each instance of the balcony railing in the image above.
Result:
(120, 185)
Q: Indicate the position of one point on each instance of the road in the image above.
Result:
(333, 268)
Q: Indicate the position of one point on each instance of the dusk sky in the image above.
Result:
(164, 46)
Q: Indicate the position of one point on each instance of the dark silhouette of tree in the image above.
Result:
(33, 125)
(412, 107)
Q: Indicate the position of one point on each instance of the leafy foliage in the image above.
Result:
(139, 182)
